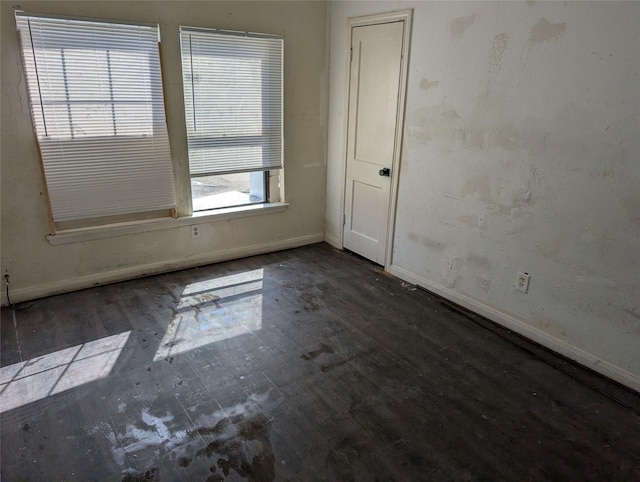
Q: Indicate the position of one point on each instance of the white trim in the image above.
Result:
(385, 17)
(345, 136)
(587, 359)
(132, 227)
(23, 13)
(404, 16)
(57, 287)
(237, 33)
(333, 240)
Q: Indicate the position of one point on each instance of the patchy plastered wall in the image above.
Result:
(37, 268)
(521, 152)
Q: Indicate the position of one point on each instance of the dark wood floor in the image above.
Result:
(308, 364)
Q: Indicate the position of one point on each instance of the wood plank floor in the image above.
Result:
(308, 364)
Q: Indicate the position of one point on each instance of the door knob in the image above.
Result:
(385, 171)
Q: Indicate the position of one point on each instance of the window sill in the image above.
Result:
(121, 229)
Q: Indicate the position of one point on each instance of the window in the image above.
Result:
(233, 105)
(95, 90)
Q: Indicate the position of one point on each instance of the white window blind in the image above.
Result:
(96, 95)
(233, 100)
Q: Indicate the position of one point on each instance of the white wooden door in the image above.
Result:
(374, 86)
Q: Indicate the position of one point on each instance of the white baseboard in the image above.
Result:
(589, 360)
(333, 240)
(47, 289)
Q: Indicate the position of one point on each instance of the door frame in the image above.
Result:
(406, 17)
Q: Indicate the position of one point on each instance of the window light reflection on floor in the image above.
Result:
(39, 377)
(214, 310)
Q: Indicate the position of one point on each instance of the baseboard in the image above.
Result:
(584, 358)
(48, 289)
(333, 240)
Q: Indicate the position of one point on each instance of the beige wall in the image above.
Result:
(36, 268)
(521, 153)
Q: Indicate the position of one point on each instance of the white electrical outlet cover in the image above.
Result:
(522, 282)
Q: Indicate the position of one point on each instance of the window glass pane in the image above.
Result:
(57, 115)
(130, 75)
(213, 192)
(91, 120)
(86, 74)
(133, 119)
(228, 96)
(50, 71)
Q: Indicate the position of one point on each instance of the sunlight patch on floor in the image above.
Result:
(213, 310)
(40, 377)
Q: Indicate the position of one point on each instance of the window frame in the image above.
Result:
(274, 117)
(66, 155)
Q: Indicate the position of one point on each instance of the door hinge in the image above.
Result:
(351, 55)
(344, 219)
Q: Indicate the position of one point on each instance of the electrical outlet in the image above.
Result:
(522, 282)
(195, 231)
